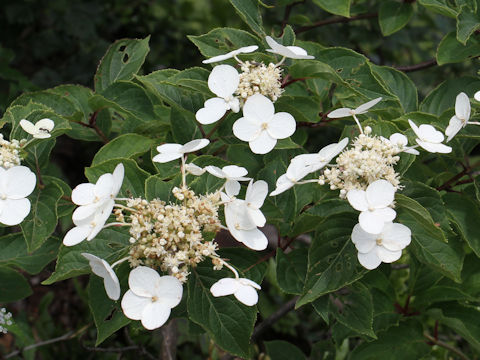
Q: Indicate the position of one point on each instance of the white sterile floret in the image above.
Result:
(16, 184)
(476, 96)
(89, 227)
(169, 152)
(292, 52)
(296, 171)
(260, 126)
(374, 205)
(91, 197)
(194, 169)
(346, 112)
(317, 161)
(233, 174)
(234, 53)
(254, 198)
(110, 280)
(40, 130)
(401, 142)
(223, 81)
(461, 117)
(241, 224)
(151, 297)
(429, 138)
(373, 249)
(245, 290)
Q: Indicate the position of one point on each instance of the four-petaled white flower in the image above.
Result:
(374, 205)
(242, 225)
(317, 161)
(292, 52)
(296, 171)
(223, 81)
(110, 280)
(401, 141)
(233, 174)
(245, 290)
(169, 152)
(40, 130)
(461, 117)
(16, 184)
(151, 297)
(100, 195)
(346, 112)
(234, 53)
(429, 138)
(260, 126)
(373, 249)
(194, 169)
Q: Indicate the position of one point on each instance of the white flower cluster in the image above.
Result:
(5, 319)
(258, 87)
(10, 152)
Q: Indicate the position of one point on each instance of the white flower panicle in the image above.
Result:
(234, 53)
(40, 130)
(10, 152)
(223, 82)
(5, 319)
(261, 126)
(258, 78)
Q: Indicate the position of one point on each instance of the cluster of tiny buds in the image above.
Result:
(10, 152)
(5, 319)
(370, 158)
(171, 236)
(257, 78)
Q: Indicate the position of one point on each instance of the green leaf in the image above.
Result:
(107, 314)
(223, 40)
(337, 7)
(133, 182)
(291, 270)
(443, 96)
(42, 219)
(465, 213)
(332, 258)
(450, 50)
(428, 241)
(13, 286)
(109, 244)
(468, 20)
(157, 188)
(282, 350)
(392, 16)
(302, 108)
(403, 342)
(227, 321)
(439, 6)
(124, 146)
(250, 13)
(14, 252)
(122, 61)
(355, 310)
(463, 320)
(184, 126)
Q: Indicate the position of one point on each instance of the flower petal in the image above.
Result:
(364, 107)
(454, 126)
(388, 256)
(20, 182)
(232, 187)
(340, 113)
(256, 193)
(477, 96)
(169, 290)
(154, 315)
(300, 53)
(371, 222)
(358, 199)
(245, 129)
(223, 80)
(169, 148)
(253, 238)
(104, 186)
(28, 126)
(142, 281)
(369, 260)
(46, 124)
(118, 175)
(258, 109)
(246, 295)
(364, 242)
(257, 217)
(112, 286)
(234, 171)
(83, 212)
(212, 111)
(224, 287)
(414, 127)
(215, 171)
(380, 194)
(76, 235)
(14, 211)
(434, 148)
(398, 139)
(281, 126)
(263, 144)
(462, 107)
(396, 236)
(133, 305)
(195, 145)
